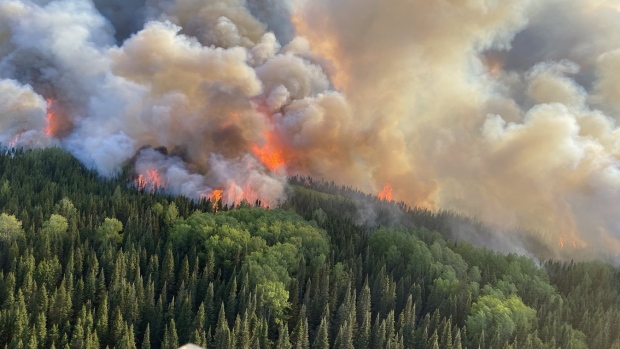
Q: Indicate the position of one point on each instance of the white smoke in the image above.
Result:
(502, 110)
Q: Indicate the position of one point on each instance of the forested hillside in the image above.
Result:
(92, 263)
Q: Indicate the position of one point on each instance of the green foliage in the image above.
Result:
(110, 230)
(10, 227)
(93, 263)
(56, 225)
(266, 245)
(504, 317)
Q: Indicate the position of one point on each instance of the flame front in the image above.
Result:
(216, 195)
(386, 193)
(235, 194)
(269, 154)
(50, 119)
(150, 181)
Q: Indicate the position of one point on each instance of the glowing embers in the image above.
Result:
(386, 193)
(269, 154)
(150, 181)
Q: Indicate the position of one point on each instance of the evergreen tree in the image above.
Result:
(146, 341)
(171, 340)
(283, 338)
(222, 331)
(300, 333)
(322, 338)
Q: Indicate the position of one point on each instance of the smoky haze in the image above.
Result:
(506, 111)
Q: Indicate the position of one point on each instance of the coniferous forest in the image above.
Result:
(96, 263)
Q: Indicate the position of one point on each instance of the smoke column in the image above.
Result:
(504, 110)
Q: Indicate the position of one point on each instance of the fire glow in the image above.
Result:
(269, 154)
(386, 193)
(49, 119)
(234, 195)
(151, 181)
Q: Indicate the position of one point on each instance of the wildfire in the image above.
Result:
(150, 181)
(50, 118)
(561, 243)
(13, 141)
(386, 193)
(234, 194)
(269, 154)
(216, 195)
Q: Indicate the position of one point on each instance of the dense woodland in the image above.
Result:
(93, 263)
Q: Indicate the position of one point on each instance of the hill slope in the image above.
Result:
(88, 263)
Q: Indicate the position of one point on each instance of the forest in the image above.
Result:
(93, 263)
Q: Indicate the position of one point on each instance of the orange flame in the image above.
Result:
(50, 119)
(561, 243)
(235, 195)
(216, 195)
(272, 159)
(269, 154)
(151, 181)
(386, 193)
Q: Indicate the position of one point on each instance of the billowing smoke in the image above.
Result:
(504, 110)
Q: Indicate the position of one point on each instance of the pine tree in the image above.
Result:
(184, 272)
(167, 271)
(118, 326)
(433, 342)
(283, 338)
(222, 331)
(408, 323)
(322, 338)
(171, 340)
(231, 303)
(378, 334)
(77, 340)
(20, 331)
(146, 341)
(300, 333)
(102, 320)
(344, 340)
(456, 344)
(127, 341)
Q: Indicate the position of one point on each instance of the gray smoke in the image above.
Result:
(502, 110)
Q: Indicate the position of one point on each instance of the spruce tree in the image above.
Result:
(146, 340)
(222, 331)
(322, 337)
(283, 338)
(171, 340)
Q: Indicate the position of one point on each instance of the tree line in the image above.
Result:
(96, 263)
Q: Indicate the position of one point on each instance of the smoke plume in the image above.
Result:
(502, 110)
